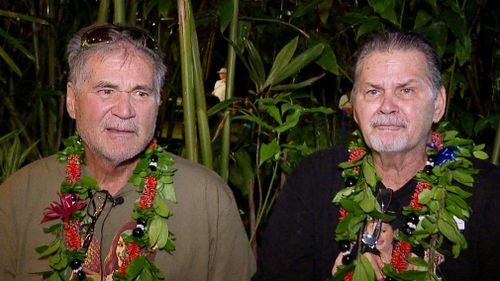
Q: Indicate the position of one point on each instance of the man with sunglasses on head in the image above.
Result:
(113, 205)
(440, 199)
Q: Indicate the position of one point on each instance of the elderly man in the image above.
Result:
(399, 171)
(113, 205)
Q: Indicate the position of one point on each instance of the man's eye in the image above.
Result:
(407, 91)
(106, 92)
(372, 92)
(142, 93)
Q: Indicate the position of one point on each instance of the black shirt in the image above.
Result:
(299, 241)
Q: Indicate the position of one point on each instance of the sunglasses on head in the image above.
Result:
(109, 33)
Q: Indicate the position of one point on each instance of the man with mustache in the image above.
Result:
(397, 98)
(183, 223)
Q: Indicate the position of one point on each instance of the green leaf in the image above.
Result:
(368, 205)
(167, 192)
(418, 261)
(136, 267)
(10, 62)
(295, 65)
(480, 154)
(296, 86)
(462, 177)
(363, 270)
(255, 65)
(328, 60)
(448, 230)
(385, 8)
(421, 19)
(268, 151)
(282, 59)
(369, 25)
(51, 249)
(274, 112)
(425, 196)
(225, 8)
(161, 208)
(55, 277)
(369, 171)
(154, 231)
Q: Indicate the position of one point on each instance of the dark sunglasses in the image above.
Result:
(108, 34)
(95, 207)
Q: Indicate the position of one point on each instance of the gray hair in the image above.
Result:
(400, 41)
(78, 55)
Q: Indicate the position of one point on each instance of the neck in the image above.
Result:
(109, 175)
(397, 168)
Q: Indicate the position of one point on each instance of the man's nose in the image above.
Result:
(123, 106)
(389, 104)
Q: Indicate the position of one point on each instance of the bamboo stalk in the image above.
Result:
(495, 156)
(102, 15)
(231, 66)
(188, 102)
(119, 15)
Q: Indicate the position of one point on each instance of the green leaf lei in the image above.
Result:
(155, 170)
(439, 207)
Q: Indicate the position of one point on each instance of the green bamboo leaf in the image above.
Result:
(282, 59)
(17, 44)
(25, 17)
(295, 65)
(225, 8)
(296, 86)
(268, 151)
(255, 65)
(10, 62)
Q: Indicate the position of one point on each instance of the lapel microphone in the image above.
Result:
(117, 201)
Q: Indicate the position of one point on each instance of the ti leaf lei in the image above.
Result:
(152, 176)
(439, 202)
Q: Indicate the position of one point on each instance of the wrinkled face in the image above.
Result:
(393, 102)
(115, 107)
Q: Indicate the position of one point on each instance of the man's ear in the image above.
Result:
(439, 105)
(70, 99)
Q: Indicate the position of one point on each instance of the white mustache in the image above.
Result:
(120, 126)
(388, 120)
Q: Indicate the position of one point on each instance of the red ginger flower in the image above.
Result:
(356, 153)
(400, 255)
(152, 144)
(342, 213)
(148, 193)
(133, 251)
(73, 172)
(71, 235)
(348, 276)
(70, 203)
(437, 140)
(421, 185)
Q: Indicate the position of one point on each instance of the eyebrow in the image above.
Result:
(107, 84)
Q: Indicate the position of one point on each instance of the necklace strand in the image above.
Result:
(153, 180)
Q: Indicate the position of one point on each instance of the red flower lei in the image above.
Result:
(155, 165)
(402, 249)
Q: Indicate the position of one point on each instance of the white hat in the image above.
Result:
(222, 70)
